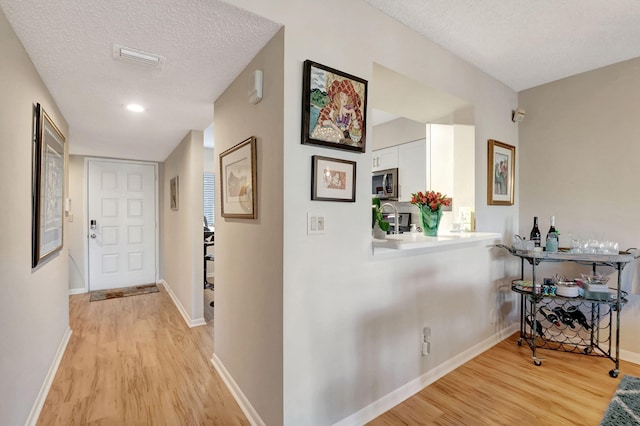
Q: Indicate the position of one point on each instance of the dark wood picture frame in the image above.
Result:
(47, 187)
(238, 180)
(501, 169)
(334, 108)
(333, 179)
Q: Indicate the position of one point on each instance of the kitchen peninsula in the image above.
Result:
(417, 242)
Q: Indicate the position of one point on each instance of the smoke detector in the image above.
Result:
(140, 57)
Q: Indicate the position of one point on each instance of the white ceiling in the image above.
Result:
(206, 43)
(526, 43)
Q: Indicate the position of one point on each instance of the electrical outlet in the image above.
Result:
(426, 341)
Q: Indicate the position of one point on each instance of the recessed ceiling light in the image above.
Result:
(135, 108)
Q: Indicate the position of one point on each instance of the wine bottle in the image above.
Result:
(564, 316)
(549, 315)
(552, 237)
(535, 232)
(579, 316)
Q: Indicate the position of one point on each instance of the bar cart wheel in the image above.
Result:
(520, 341)
(538, 363)
(614, 373)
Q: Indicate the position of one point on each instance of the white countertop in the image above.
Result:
(413, 241)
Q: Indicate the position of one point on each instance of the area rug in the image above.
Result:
(123, 292)
(624, 408)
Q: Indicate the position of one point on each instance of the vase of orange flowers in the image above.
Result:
(430, 205)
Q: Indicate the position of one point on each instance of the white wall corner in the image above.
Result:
(236, 392)
(183, 312)
(73, 291)
(32, 420)
(409, 389)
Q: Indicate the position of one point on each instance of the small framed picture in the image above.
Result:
(174, 195)
(239, 183)
(500, 173)
(333, 179)
(334, 107)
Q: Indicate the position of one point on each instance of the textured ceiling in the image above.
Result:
(525, 43)
(206, 44)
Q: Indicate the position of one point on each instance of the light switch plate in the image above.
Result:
(315, 223)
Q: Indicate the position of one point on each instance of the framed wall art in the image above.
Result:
(333, 179)
(500, 173)
(174, 193)
(48, 187)
(334, 106)
(238, 181)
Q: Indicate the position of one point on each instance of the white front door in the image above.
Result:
(122, 224)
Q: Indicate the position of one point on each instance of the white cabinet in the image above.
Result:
(412, 168)
(386, 158)
(411, 160)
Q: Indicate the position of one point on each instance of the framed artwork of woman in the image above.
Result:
(334, 106)
(500, 173)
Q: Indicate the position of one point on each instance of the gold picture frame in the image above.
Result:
(238, 183)
(501, 168)
(48, 187)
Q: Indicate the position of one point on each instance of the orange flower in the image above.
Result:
(433, 200)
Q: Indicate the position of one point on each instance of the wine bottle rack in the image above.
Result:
(592, 335)
(570, 324)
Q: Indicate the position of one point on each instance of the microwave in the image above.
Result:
(385, 184)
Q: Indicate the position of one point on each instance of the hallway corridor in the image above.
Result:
(134, 361)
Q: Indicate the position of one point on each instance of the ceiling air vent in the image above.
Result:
(138, 56)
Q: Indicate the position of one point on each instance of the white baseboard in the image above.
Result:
(629, 356)
(236, 392)
(406, 391)
(190, 322)
(73, 291)
(32, 420)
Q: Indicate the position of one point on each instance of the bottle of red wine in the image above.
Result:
(552, 237)
(535, 232)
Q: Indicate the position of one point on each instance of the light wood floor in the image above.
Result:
(503, 387)
(134, 361)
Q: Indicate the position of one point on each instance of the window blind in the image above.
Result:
(209, 197)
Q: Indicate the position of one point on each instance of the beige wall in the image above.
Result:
(181, 230)
(34, 313)
(579, 155)
(249, 274)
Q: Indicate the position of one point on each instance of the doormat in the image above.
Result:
(123, 292)
(624, 408)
